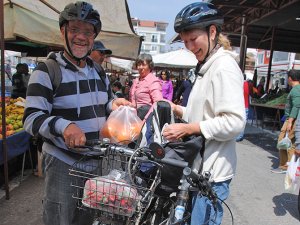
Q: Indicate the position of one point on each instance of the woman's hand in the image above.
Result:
(176, 131)
(121, 102)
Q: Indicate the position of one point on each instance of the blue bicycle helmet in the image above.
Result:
(198, 15)
(82, 11)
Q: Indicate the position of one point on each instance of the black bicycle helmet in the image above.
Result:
(198, 15)
(82, 11)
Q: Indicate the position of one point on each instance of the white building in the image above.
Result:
(154, 34)
(282, 62)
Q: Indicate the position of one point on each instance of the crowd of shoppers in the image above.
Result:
(78, 111)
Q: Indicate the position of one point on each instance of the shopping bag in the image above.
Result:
(122, 126)
(285, 143)
(292, 177)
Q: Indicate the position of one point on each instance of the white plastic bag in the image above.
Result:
(285, 143)
(122, 126)
(111, 193)
(292, 177)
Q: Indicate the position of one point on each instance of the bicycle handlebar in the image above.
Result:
(101, 146)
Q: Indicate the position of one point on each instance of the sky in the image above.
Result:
(158, 10)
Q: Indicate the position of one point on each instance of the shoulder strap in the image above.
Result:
(54, 73)
(102, 76)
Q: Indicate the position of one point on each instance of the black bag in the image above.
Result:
(185, 150)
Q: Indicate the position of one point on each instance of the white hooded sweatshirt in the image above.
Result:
(216, 102)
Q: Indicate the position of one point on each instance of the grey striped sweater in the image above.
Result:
(80, 98)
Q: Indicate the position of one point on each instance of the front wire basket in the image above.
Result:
(103, 185)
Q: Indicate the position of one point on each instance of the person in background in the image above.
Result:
(215, 108)
(246, 99)
(166, 85)
(99, 52)
(26, 74)
(260, 89)
(297, 149)
(146, 89)
(72, 115)
(183, 92)
(18, 85)
(7, 69)
(117, 89)
(291, 112)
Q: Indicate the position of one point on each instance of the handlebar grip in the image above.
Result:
(92, 142)
(174, 162)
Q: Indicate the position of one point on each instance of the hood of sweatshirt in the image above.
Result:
(221, 52)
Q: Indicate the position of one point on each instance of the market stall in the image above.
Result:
(31, 27)
(181, 58)
(269, 110)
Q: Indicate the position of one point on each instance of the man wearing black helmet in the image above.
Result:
(68, 115)
(215, 107)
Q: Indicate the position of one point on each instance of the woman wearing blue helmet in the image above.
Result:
(215, 106)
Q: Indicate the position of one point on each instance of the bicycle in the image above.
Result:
(141, 205)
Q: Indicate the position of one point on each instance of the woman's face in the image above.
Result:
(163, 75)
(143, 69)
(196, 41)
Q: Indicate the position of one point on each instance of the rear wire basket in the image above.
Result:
(101, 193)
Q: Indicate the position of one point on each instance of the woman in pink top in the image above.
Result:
(146, 89)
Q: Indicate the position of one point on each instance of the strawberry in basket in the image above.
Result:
(110, 195)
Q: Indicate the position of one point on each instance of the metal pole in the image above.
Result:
(270, 60)
(4, 149)
(243, 44)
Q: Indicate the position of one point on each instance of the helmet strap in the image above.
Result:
(208, 50)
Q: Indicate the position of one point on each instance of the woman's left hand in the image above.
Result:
(120, 102)
(175, 131)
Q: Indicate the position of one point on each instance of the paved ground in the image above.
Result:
(257, 195)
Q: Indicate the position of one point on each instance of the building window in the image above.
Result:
(297, 56)
(153, 48)
(154, 38)
(260, 58)
(280, 56)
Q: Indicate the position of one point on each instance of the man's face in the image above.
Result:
(98, 56)
(80, 36)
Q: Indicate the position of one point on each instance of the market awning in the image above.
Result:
(181, 58)
(261, 17)
(32, 26)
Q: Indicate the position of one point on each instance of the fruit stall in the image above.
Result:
(17, 141)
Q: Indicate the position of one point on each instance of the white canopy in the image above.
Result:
(37, 22)
(181, 58)
(118, 64)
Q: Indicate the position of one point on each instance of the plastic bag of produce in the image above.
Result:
(285, 143)
(111, 194)
(122, 126)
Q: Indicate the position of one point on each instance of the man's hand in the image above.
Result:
(74, 136)
(297, 152)
(120, 102)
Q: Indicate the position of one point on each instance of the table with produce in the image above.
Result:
(17, 140)
(269, 108)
